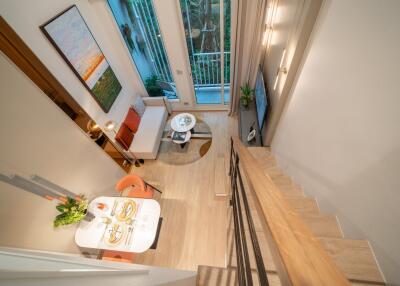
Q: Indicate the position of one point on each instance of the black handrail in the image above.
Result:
(244, 269)
(239, 226)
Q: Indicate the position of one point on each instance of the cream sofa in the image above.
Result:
(147, 139)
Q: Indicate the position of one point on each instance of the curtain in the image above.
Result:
(248, 24)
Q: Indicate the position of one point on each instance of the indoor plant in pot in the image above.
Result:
(72, 211)
(247, 95)
(152, 86)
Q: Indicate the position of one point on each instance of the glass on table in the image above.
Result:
(106, 220)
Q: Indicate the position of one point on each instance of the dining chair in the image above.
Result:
(135, 187)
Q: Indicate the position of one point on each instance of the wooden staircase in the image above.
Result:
(354, 258)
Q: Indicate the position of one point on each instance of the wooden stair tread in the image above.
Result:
(355, 258)
(263, 157)
(282, 180)
(292, 191)
(304, 205)
(215, 276)
(325, 225)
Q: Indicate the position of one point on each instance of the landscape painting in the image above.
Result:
(71, 37)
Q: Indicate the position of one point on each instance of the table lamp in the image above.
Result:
(110, 126)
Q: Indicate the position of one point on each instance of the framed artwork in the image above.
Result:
(73, 40)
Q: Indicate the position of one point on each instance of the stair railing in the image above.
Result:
(298, 255)
(243, 263)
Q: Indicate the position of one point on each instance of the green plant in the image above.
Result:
(152, 86)
(71, 211)
(247, 94)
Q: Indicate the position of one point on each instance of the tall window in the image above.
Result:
(139, 27)
(209, 49)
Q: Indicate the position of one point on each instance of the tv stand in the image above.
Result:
(248, 118)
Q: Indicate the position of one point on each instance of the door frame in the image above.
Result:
(196, 106)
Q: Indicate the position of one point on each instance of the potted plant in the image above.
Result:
(152, 86)
(247, 95)
(72, 211)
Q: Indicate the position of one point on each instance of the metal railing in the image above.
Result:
(238, 198)
(206, 68)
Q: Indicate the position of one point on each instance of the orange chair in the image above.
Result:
(139, 188)
(118, 256)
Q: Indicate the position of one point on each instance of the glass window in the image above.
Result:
(139, 27)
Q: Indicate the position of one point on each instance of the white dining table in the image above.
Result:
(141, 230)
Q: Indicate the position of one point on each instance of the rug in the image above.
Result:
(198, 146)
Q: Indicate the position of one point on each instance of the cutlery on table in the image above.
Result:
(114, 208)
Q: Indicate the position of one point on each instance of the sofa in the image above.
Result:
(141, 131)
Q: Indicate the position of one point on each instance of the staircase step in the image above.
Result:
(214, 276)
(291, 191)
(274, 172)
(260, 151)
(325, 225)
(355, 258)
(282, 180)
(265, 251)
(304, 205)
(263, 156)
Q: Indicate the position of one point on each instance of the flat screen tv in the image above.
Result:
(261, 100)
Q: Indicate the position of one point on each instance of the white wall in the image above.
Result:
(284, 37)
(25, 17)
(38, 138)
(339, 136)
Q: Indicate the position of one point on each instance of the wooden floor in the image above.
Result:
(194, 229)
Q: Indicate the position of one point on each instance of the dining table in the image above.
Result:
(120, 224)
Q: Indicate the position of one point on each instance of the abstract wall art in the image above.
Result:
(73, 40)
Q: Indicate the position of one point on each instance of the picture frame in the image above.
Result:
(73, 40)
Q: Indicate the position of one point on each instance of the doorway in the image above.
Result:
(207, 28)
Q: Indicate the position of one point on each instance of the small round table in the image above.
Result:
(183, 122)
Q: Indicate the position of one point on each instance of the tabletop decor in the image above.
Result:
(73, 40)
(71, 211)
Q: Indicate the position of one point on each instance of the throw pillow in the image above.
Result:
(139, 106)
(132, 120)
(124, 136)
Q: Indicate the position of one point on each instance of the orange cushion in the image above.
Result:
(124, 136)
(132, 120)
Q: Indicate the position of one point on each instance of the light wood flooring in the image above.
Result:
(194, 229)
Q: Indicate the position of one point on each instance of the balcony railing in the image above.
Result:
(206, 68)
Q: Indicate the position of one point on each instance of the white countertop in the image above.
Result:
(144, 227)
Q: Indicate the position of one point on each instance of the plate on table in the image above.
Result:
(126, 210)
(114, 234)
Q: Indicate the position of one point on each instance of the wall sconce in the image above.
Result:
(269, 22)
(281, 69)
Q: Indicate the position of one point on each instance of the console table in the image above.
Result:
(248, 118)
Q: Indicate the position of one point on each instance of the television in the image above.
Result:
(260, 95)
